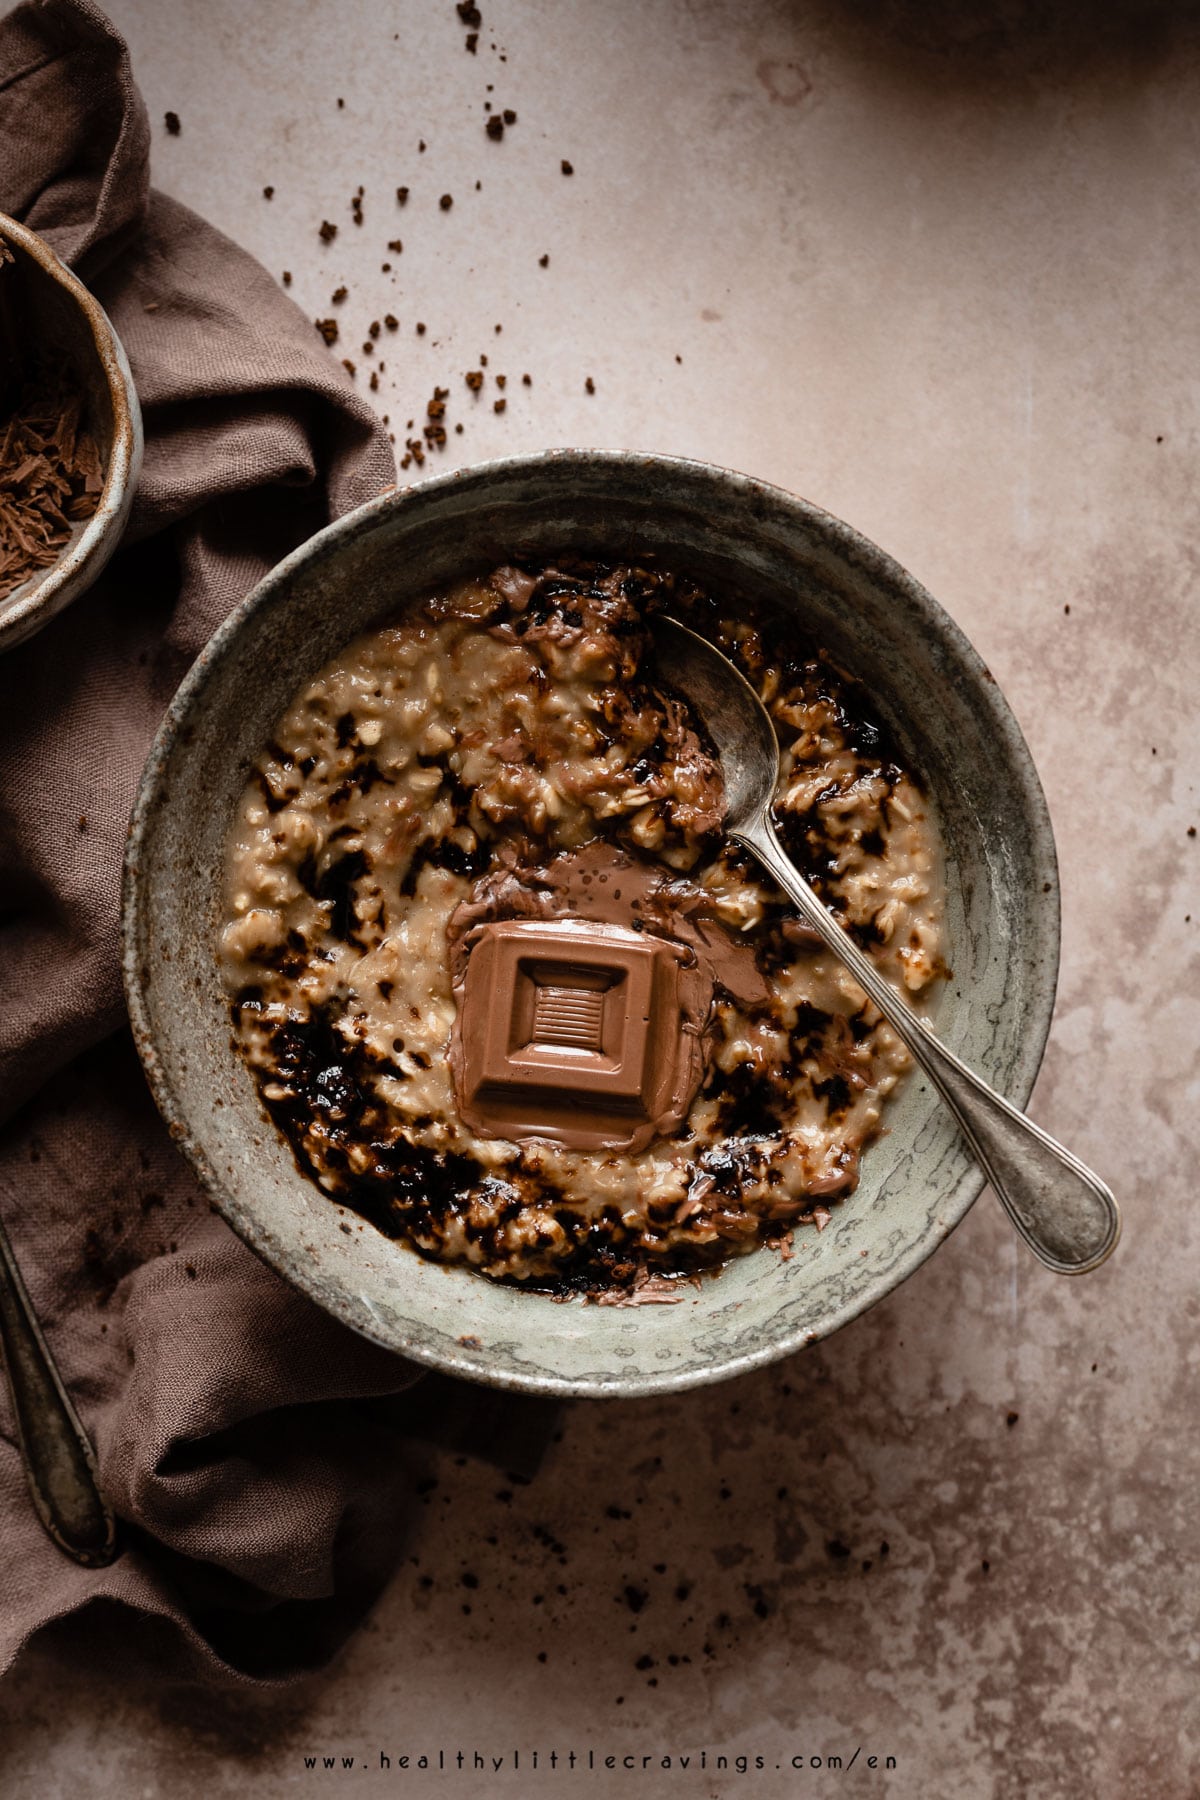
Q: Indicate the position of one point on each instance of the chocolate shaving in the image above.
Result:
(50, 477)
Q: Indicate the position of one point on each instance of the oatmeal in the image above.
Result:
(502, 984)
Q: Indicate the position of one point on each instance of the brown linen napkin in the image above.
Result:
(238, 1428)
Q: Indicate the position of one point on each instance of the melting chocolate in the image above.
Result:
(585, 993)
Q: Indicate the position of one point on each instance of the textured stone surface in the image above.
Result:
(948, 291)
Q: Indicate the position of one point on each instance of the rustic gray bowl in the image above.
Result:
(933, 690)
(73, 327)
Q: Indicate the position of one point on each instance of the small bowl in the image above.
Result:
(738, 535)
(73, 327)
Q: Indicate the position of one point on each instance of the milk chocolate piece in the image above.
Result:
(582, 1032)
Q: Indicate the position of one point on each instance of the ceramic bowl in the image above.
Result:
(952, 723)
(73, 328)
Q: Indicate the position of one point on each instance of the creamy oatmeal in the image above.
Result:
(500, 788)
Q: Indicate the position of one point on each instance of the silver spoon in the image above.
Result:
(60, 1464)
(1066, 1215)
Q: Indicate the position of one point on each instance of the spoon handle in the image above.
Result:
(59, 1461)
(1066, 1215)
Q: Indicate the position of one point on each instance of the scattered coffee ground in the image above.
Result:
(287, 278)
(434, 431)
(171, 121)
(50, 477)
(435, 412)
(268, 193)
(589, 386)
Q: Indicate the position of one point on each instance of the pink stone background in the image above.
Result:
(935, 267)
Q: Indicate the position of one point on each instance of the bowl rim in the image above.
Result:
(864, 553)
(82, 560)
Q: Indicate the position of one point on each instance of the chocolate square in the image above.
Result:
(568, 1029)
